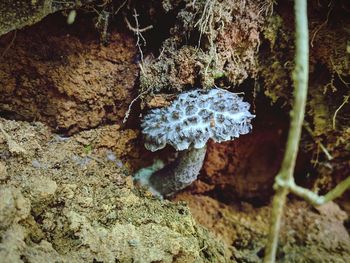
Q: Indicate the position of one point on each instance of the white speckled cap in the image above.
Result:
(195, 117)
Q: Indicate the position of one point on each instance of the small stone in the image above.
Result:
(42, 188)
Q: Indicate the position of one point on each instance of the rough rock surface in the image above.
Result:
(21, 13)
(70, 199)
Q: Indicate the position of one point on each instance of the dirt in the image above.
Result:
(206, 45)
(72, 199)
(308, 235)
(65, 77)
(67, 157)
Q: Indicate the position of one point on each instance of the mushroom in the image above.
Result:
(187, 124)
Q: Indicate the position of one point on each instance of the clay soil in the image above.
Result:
(67, 156)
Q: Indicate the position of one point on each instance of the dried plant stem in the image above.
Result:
(284, 181)
(346, 100)
(300, 79)
(138, 32)
(315, 199)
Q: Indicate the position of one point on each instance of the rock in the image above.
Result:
(20, 13)
(13, 206)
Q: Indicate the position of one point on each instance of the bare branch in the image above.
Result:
(300, 79)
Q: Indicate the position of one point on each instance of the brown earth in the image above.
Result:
(72, 198)
(64, 77)
(307, 234)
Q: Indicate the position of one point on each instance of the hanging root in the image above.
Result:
(346, 100)
(139, 38)
(285, 176)
(284, 181)
(138, 32)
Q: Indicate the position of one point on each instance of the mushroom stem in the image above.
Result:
(178, 174)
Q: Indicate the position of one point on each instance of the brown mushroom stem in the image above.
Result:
(178, 174)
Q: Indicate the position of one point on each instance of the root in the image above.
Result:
(138, 32)
(120, 7)
(267, 7)
(346, 100)
(205, 23)
(285, 175)
(132, 103)
(339, 75)
(322, 25)
(139, 37)
(316, 31)
(205, 26)
(10, 44)
(284, 181)
(319, 144)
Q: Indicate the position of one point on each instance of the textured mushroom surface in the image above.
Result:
(195, 117)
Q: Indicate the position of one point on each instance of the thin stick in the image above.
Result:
(137, 30)
(315, 199)
(120, 7)
(346, 99)
(10, 44)
(318, 141)
(300, 79)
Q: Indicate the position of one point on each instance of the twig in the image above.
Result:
(320, 26)
(300, 79)
(315, 199)
(10, 44)
(346, 100)
(138, 32)
(132, 103)
(120, 7)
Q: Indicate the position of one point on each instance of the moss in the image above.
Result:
(20, 13)
(17, 14)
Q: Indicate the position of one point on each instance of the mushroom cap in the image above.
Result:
(195, 117)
